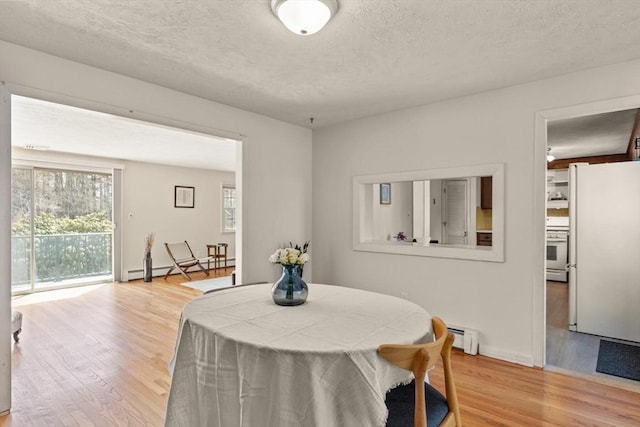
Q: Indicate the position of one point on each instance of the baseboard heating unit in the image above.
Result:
(465, 339)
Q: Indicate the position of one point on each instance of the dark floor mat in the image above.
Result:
(619, 359)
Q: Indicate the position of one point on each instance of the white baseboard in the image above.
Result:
(507, 356)
(161, 271)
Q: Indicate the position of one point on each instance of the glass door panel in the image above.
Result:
(69, 238)
(72, 227)
(21, 238)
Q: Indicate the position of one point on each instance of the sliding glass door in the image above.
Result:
(61, 228)
(21, 236)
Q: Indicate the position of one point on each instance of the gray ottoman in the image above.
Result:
(16, 324)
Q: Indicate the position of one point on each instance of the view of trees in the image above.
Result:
(72, 225)
(63, 201)
(46, 223)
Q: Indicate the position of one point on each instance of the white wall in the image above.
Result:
(275, 156)
(421, 210)
(501, 300)
(435, 231)
(149, 207)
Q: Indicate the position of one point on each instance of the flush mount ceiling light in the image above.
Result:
(550, 157)
(304, 17)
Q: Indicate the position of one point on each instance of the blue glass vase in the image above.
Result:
(290, 289)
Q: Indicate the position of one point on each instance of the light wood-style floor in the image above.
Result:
(100, 359)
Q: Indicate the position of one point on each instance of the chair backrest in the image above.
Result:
(420, 358)
(180, 251)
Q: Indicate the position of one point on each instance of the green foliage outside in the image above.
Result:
(65, 248)
(61, 257)
(45, 224)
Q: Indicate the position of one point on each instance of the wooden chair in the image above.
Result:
(182, 258)
(217, 253)
(428, 406)
(16, 324)
(221, 254)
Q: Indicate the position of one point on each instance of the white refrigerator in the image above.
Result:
(604, 249)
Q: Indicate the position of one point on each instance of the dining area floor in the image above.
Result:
(101, 357)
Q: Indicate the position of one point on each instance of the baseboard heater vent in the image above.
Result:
(160, 271)
(465, 339)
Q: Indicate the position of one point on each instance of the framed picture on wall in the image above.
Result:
(184, 196)
(385, 194)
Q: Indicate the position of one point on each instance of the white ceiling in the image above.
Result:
(48, 126)
(595, 135)
(374, 56)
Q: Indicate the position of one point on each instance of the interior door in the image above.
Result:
(456, 223)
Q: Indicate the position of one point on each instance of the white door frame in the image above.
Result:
(5, 248)
(539, 204)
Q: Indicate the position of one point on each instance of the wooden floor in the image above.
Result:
(100, 359)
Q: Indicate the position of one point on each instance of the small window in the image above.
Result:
(228, 208)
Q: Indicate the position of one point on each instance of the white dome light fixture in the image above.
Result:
(550, 157)
(304, 17)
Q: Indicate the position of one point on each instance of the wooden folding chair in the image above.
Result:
(182, 258)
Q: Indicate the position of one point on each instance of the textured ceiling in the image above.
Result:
(374, 56)
(595, 135)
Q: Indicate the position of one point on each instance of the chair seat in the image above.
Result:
(400, 402)
(16, 324)
(182, 258)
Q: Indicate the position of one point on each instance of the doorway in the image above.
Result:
(8, 130)
(565, 349)
(145, 162)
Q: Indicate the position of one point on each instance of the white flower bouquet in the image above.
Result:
(290, 289)
(292, 255)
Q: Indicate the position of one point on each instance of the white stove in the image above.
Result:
(557, 248)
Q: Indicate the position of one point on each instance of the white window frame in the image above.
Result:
(223, 209)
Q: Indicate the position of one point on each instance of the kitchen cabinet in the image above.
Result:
(557, 188)
(484, 238)
(486, 192)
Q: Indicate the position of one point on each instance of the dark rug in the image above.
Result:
(619, 359)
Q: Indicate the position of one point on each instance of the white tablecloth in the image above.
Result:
(242, 360)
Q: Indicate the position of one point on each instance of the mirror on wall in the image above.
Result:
(450, 213)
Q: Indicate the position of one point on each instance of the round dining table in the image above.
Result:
(241, 360)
